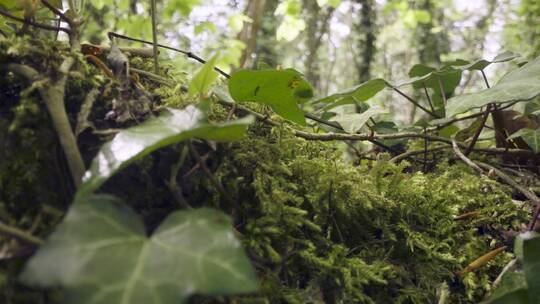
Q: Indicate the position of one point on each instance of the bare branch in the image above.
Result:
(35, 24)
(465, 159)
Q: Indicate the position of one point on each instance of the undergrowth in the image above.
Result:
(316, 228)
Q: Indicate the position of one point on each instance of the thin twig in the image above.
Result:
(465, 159)
(415, 152)
(415, 103)
(16, 233)
(34, 24)
(57, 12)
(154, 36)
(187, 53)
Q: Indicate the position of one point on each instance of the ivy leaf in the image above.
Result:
(352, 122)
(167, 129)
(204, 78)
(511, 290)
(481, 64)
(359, 93)
(282, 90)
(432, 78)
(101, 254)
(519, 85)
(531, 138)
(531, 266)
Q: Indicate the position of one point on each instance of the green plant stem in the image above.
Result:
(485, 78)
(415, 103)
(154, 36)
(52, 93)
(443, 95)
(484, 119)
(19, 234)
(428, 98)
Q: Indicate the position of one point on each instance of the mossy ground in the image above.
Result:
(317, 228)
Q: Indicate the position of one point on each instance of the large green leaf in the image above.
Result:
(282, 90)
(169, 128)
(481, 64)
(424, 75)
(511, 290)
(531, 266)
(100, 254)
(359, 93)
(530, 136)
(519, 85)
(352, 122)
(204, 78)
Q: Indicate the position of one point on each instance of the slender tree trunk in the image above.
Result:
(248, 34)
(317, 22)
(365, 29)
(266, 43)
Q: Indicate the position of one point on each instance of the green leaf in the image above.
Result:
(282, 90)
(511, 290)
(359, 93)
(447, 76)
(531, 138)
(519, 85)
(481, 64)
(352, 122)
(167, 129)
(204, 79)
(100, 254)
(531, 266)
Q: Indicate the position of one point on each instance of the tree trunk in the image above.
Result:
(365, 29)
(316, 26)
(248, 34)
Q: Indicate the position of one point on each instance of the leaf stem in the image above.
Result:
(154, 36)
(415, 102)
(19, 234)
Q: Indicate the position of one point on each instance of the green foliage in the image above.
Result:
(530, 136)
(105, 256)
(169, 128)
(520, 283)
(282, 90)
(353, 122)
(204, 78)
(357, 235)
(519, 85)
(357, 94)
